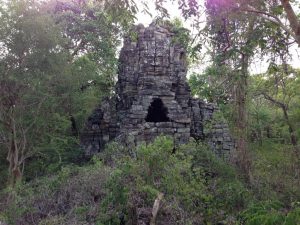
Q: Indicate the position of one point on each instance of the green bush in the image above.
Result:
(136, 182)
(72, 196)
(275, 173)
(226, 192)
(120, 185)
(270, 213)
(197, 186)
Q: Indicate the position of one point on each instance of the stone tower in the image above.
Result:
(153, 98)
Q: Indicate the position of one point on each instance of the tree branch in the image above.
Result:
(292, 18)
(274, 101)
(78, 48)
(155, 208)
(271, 18)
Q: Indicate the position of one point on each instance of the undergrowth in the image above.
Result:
(120, 185)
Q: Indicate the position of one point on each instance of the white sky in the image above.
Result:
(258, 66)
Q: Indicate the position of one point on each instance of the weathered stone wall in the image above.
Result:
(100, 128)
(152, 97)
(152, 67)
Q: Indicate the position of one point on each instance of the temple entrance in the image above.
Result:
(157, 112)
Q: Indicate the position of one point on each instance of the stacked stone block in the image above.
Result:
(152, 67)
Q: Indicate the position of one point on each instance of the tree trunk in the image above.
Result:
(293, 19)
(284, 108)
(13, 157)
(291, 128)
(243, 159)
(74, 128)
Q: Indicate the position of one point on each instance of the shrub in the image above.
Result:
(276, 173)
(197, 186)
(120, 185)
(72, 196)
(270, 213)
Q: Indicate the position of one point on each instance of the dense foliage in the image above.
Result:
(197, 188)
(58, 59)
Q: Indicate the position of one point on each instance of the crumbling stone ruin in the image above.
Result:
(153, 98)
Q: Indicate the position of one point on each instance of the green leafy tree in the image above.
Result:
(59, 59)
(234, 44)
(280, 86)
(26, 69)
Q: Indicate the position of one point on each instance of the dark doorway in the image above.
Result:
(157, 112)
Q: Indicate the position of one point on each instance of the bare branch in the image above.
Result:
(155, 208)
(274, 101)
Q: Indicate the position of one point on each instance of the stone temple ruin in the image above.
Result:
(153, 98)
